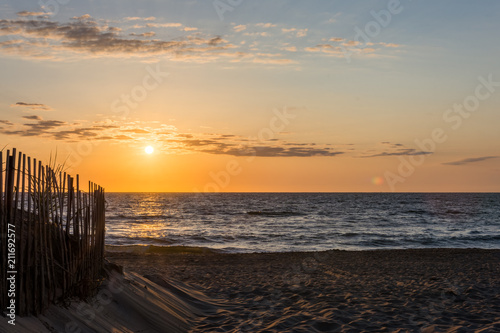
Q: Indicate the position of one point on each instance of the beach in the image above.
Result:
(183, 289)
(427, 290)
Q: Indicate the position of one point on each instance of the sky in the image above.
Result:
(258, 96)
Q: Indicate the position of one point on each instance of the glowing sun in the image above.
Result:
(149, 150)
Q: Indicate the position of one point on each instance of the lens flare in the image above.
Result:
(377, 180)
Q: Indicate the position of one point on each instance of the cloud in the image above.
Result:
(301, 33)
(235, 145)
(83, 17)
(45, 124)
(45, 38)
(135, 18)
(396, 149)
(136, 130)
(290, 48)
(144, 34)
(259, 150)
(390, 45)
(265, 151)
(25, 13)
(272, 61)
(298, 32)
(187, 136)
(240, 28)
(164, 25)
(471, 160)
(265, 25)
(123, 137)
(55, 129)
(33, 117)
(261, 34)
(393, 145)
(258, 28)
(33, 106)
(402, 152)
(84, 37)
(341, 47)
(328, 49)
(34, 129)
(164, 136)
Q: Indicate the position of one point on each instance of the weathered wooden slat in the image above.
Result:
(29, 280)
(36, 240)
(49, 227)
(23, 241)
(2, 240)
(9, 195)
(42, 239)
(1, 183)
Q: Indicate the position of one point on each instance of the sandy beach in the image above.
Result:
(191, 290)
(429, 290)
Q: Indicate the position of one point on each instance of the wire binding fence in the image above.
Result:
(58, 229)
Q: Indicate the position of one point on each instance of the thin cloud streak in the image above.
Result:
(26, 13)
(33, 106)
(405, 152)
(471, 160)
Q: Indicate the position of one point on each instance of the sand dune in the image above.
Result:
(128, 303)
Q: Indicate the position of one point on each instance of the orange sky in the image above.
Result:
(297, 98)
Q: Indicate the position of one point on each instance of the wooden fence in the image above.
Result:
(51, 235)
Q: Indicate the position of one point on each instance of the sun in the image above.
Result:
(149, 150)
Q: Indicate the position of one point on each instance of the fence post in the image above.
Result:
(3, 244)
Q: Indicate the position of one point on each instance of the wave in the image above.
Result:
(139, 217)
(144, 249)
(476, 238)
(351, 234)
(274, 214)
(121, 240)
(454, 212)
(417, 212)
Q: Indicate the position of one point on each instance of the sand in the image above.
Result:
(125, 303)
(431, 290)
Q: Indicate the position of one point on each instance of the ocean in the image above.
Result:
(279, 222)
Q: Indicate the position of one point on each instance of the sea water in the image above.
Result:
(277, 222)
